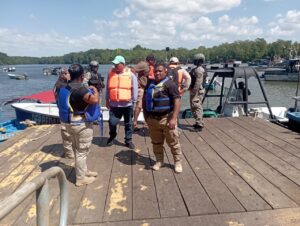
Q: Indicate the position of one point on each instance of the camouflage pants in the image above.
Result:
(82, 136)
(66, 140)
(196, 106)
(159, 131)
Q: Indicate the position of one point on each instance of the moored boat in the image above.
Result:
(18, 77)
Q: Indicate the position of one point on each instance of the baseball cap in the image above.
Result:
(174, 60)
(119, 60)
(141, 66)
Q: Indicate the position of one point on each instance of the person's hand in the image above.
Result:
(172, 123)
(93, 88)
(107, 105)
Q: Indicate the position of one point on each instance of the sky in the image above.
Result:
(56, 27)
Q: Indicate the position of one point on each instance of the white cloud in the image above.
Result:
(286, 25)
(124, 13)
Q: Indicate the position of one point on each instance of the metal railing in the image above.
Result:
(41, 186)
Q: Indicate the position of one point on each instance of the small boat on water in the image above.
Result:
(288, 73)
(9, 129)
(8, 69)
(18, 77)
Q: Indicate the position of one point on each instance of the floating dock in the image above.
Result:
(236, 172)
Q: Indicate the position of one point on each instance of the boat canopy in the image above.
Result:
(237, 72)
(43, 97)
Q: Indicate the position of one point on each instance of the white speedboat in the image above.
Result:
(47, 113)
(18, 77)
(278, 112)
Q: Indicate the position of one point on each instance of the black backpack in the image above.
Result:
(173, 74)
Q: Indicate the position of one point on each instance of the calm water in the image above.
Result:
(278, 93)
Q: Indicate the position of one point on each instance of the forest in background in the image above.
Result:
(244, 51)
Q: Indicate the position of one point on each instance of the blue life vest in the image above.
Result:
(66, 113)
(156, 101)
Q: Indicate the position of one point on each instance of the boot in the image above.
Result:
(91, 174)
(84, 181)
(157, 166)
(178, 167)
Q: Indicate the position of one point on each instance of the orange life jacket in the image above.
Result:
(151, 72)
(177, 77)
(119, 85)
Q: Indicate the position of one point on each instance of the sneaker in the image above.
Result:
(196, 128)
(91, 174)
(130, 145)
(178, 167)
(84, 181)
(110, 141)
(157, 166)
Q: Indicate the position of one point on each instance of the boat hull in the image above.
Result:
(288, 77)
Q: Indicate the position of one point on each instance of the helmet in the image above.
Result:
(199, 56)
(94, 63)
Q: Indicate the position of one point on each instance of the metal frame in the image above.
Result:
(233, 74)
(41, 186)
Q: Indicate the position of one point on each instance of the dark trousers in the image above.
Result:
(115, 115)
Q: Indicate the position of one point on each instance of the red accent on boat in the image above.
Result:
(44, 97)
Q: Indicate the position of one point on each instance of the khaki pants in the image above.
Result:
(82, 136)
(159, 131)
(196, 106)
(66, 140)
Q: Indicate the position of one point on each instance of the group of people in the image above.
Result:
(154, 88)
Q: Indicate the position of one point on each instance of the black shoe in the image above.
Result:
(196, 128)
(110, 141)
(130, 145)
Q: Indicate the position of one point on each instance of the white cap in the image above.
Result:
(174, 60)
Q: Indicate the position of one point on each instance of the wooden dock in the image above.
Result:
(237, 172)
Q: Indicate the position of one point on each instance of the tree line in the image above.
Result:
(244, 51)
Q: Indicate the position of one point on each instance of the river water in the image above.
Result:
(278, 93)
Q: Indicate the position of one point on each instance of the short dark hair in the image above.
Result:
(150, 57)
(75, 70)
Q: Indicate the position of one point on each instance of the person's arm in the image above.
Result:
(134, 88)
(173, 118)
(107, 91)
(91, 98)
(187, 80)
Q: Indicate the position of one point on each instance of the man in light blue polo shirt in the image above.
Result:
(121, 94)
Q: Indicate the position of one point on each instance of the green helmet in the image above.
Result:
(199, 56)
(94, 63)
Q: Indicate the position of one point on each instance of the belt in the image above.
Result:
(158, 117)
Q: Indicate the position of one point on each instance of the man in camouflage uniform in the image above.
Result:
(197, 91)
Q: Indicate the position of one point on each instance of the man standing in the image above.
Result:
(161, 107)
(78, 108)
(179, 75)
(142, 70)
(197, 91)
(62, 81)
(121, 93)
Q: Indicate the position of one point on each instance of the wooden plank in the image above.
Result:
(218, 155)
(256, 180)
(243, 137)
(280, 217)
(145, 203)
(170, 201)
(273, 176)
(284, 142)
(218, 192)
(13, 156)
(119, 199)
(91, 208)
(196, 199)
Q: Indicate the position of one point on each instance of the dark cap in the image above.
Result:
(150, 57)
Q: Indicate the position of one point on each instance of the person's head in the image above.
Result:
(76, 72)
(141, 68)
(151, 59)
(64, 74)
(94, 65)
(199, 59)
(119, 63)
(160, 72)
(174, 61)
(241, 85)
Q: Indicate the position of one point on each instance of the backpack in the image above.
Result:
(173, 74)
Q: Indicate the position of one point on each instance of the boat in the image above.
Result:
(9, 129)
(289, 73)
(280, 113)
(18, 77)
(47, 71)
(8, 69)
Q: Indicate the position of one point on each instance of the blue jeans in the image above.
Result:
(115, 115)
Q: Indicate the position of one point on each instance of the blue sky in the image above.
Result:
(54, 28)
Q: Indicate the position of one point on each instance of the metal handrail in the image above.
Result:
(41, 186)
